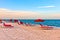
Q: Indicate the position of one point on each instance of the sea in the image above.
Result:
(48, 22)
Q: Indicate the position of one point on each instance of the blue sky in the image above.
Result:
(44, 6)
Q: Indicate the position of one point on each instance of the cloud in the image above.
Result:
(3, 9)
(6, 13)
(46, 6)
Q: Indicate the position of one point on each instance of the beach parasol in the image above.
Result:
(15, 20)
(20, 22)
(0, 21)
(10, 20)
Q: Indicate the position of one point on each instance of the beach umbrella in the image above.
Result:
(39, 20)
(10, 20)
(20, 22)
(0, 21)
(15, 20)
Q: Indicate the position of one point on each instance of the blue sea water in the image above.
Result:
(49, 22)
(55, 22)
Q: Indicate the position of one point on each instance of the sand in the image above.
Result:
(22, 32)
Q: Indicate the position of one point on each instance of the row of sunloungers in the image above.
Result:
(9, 25)
(6, 25)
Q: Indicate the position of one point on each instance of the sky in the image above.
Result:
(41, 6)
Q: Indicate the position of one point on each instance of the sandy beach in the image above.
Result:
(29, 19)
(22, 32)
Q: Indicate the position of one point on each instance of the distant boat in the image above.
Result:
(39, 20)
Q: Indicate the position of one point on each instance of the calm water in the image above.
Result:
(46, 22)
